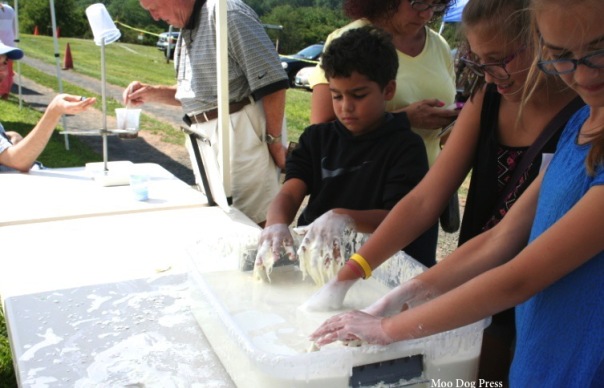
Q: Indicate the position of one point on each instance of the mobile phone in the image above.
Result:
(446, 129)
(455, 106)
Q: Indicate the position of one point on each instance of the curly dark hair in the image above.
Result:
(367, 50)
(377, 9)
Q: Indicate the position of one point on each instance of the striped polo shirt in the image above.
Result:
(254, 65)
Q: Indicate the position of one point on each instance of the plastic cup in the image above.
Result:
(101, 24)
(128, 120)
(139, 183)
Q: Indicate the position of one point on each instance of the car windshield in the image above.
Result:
(311, 52)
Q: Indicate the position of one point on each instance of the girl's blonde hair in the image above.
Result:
(595, 157)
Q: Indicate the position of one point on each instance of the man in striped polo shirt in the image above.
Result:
(257, 85)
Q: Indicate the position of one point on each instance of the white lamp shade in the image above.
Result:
(101, 24)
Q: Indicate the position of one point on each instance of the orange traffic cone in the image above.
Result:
(36, 30)
(68, 62)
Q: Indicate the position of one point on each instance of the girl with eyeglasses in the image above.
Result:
(547, 254)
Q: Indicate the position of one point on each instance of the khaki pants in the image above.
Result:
(254, 176)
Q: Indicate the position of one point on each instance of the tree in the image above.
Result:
(303, 26)
(132, 14)
(34, 13)
(263, 7)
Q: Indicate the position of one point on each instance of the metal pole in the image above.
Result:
(168, 50)
(222, 70)
(17, 45)
(104, 103)
(57, 61)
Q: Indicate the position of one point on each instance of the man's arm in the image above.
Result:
(274, 108)
(137, 94)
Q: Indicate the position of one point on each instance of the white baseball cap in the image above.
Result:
(13, 53)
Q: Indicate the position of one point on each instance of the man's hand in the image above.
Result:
(136, 94)
(278, 153)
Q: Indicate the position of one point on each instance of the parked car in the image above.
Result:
(306, 57)
(162, 42)
(301, 80)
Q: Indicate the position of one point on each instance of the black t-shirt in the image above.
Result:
(369, 171)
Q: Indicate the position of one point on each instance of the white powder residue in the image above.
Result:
(40, 382)
(50, 338)
(97, 301)
(143, 360)
(171, 320)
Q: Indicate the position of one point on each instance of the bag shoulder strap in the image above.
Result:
(556, 123)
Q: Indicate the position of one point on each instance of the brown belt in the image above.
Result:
(212, 114)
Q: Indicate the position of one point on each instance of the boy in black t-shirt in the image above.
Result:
(355, 168)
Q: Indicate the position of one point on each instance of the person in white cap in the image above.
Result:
(20, 153)
(8, 31)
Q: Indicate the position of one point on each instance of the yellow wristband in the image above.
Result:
(360, 260)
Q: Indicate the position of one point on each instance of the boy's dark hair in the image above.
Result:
(367, 50)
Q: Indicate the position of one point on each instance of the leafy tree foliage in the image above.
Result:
(34, 13)
(263, 7)
(132, 14)
(303, 26)
(304, 22)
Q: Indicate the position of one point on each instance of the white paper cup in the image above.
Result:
(101, 24)
(128, 119)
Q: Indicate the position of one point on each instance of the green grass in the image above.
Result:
(7, 373)
(124, 62)
(127, 62)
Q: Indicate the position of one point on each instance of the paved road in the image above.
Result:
(169, 114)
(146, 148)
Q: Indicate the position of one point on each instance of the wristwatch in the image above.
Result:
(270, 139)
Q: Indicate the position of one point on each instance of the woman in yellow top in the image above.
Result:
(426, 77)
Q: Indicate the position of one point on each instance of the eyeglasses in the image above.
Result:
(423, 6)
(595, 60)
(495, 69)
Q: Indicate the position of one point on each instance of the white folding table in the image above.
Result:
(95, 289)
(63, 193)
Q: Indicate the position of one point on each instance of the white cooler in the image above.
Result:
(261, 335)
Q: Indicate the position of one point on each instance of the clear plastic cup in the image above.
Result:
(139, 183)
(128, 120)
